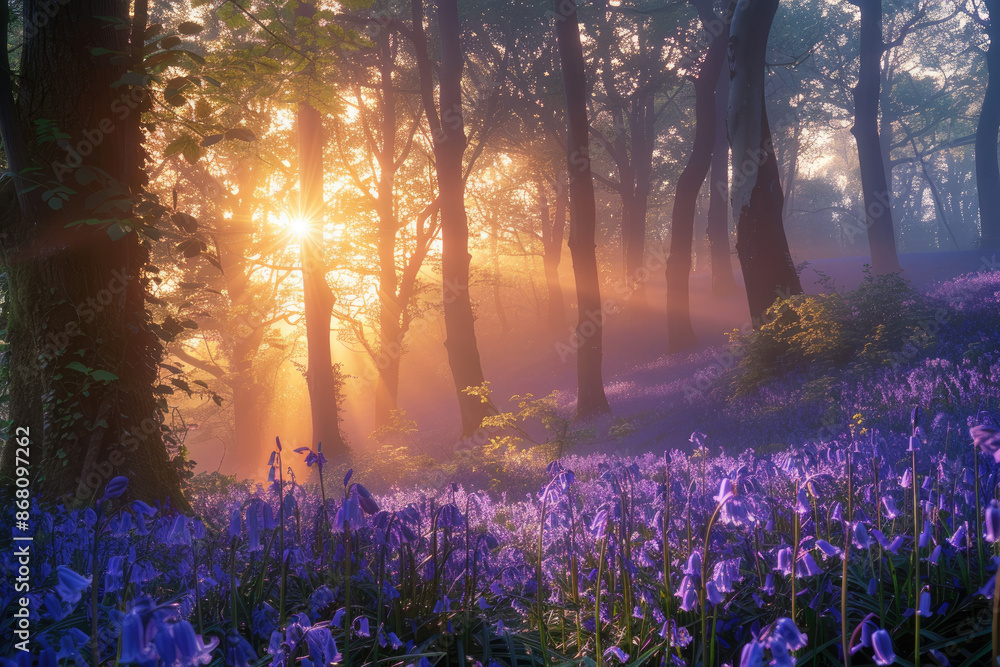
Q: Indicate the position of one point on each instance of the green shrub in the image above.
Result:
(856, 331)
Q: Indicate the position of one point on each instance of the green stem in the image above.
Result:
(916, 561)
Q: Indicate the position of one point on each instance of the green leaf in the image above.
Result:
(119, 230)
(77, 366)
(101, 51)
(104, 376)
(132, 79)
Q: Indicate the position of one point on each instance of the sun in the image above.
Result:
(296, 226)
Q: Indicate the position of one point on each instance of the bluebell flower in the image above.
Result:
(992, 523)
(239, 652)
(115, 488)
(780, 656)
(71, 585)
(882, 646)
(752, 655)
(925, 604)
(618, 654)
(987, 439)
(790, 633)
(891, 511)
(957, 540)
(828, 549)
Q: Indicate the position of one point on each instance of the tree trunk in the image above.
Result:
(768, 271)
(878, 208)
(321, 377)
(448, 134)
(83, 358)
(987, 167)
(591, 400)
(680, 333)
(552, 240)
(642, 119)
(723, 283)
(390, 309)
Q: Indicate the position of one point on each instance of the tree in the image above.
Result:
(83, 354)
(878, 209)
(757, 200)
(321, 375)
(631, 74)
(680, 334)
(448, 135)
(987, 167)
(720, 253)
(553, 230)
(406, 216)
(590, 400)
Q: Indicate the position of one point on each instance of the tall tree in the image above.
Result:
(987, 166)
(406, 225)
(321, 375)
(757, 200)
(631, 74)
(553, 230)
(590, 400)
(448, 134)
(720, 254)
(83, 355)
(680, 333)
(874, 184)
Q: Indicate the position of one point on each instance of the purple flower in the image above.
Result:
(71, 585)
(115, 488)
(790, 633)
(882, 645)
(992, 523)
(752, 655)
(618, 654)
(987, 439)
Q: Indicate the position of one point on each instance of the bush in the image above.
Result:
(857, 331)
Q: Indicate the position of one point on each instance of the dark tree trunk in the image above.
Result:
(720, 253)
(83, 359)
(390, 309)
(553, 229)
(680, 333)
(878, 208)
(448, 134)
(768, 271)
(321, 376)
(642, 119)
(987, 167)
(591, 400)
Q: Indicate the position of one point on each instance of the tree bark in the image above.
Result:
(552, 239)
(83, 356)
(768, 271)
(591, 400)
(987, 167)
(321, 376)
(680, 333)
(720, 253)
(874, 184)
(448, 135)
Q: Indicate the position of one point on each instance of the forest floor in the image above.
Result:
(657, 399)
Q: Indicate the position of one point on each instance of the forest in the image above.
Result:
(500, 332)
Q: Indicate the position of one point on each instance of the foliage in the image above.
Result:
(855, 331)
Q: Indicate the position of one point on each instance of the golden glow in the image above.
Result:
(295, 226)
